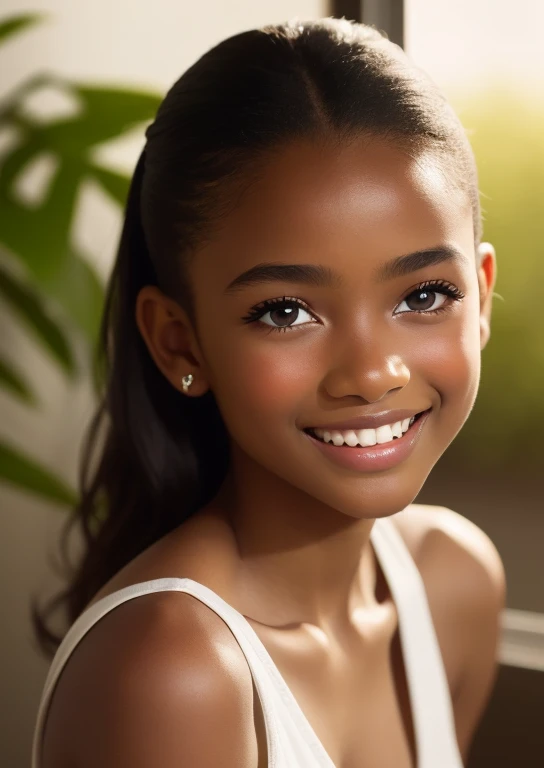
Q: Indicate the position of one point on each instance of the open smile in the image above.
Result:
(381, 449)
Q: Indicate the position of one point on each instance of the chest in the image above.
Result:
(355, 699)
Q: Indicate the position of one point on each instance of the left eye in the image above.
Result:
(422, 300)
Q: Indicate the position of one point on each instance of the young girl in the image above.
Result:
(293, 334)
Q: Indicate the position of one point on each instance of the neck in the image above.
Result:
(308, 562)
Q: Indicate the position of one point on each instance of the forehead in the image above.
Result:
(316, 202)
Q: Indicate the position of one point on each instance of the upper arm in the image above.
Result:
(482, 602)
(466, 585)
(160, 680)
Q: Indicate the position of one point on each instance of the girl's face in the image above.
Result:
(363, 333)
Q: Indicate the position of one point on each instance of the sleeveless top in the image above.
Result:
(291, 740)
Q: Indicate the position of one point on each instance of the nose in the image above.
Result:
(369, 375)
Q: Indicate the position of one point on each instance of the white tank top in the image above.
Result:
(291, 740)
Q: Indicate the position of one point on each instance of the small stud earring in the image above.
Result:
(186, 382)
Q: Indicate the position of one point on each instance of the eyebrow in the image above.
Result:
(321, 276)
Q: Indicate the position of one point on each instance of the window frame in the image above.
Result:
(386, 15)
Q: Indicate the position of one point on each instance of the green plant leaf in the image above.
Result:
(16, 24)
(25, 473)
(12, 381)
(76, 287)
(116, 184)
(39, 236)
(30, 307)
(80, 292)
(106, 114)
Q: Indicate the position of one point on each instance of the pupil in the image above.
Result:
(291, 315)
(425, 299)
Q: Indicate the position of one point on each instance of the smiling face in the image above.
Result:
(363, 331)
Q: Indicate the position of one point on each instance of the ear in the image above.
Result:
(170, 339)
(487, 273)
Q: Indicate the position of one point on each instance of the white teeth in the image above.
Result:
(384, 434)
(366, 437)
(351, 438)
(337, 438)
(396, 429)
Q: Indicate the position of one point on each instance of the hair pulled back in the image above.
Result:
(147, 465)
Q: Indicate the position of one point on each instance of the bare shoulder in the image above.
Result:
(451, 545)
(465, 584)
(462, 572)
(148, 685)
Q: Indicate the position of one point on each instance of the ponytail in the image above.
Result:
(150, 477)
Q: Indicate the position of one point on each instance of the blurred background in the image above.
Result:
(78, 84)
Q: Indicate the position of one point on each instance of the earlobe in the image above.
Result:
(167, 335)
(485, 332)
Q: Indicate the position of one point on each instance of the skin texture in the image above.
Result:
(286, 541)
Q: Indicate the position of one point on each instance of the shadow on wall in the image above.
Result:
(45, 280)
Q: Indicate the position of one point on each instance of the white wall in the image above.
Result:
(133, 42)
(468, 43)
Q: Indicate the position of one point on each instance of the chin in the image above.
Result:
(357, 495)
(369, 497)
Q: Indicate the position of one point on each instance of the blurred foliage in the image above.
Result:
(22, 471)
(44, 279)
(506, 130)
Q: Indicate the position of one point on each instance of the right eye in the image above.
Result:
(283, 313)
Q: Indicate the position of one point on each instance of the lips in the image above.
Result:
(370, 421)
(376, 458)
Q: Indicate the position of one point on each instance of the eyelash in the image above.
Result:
(438, 286)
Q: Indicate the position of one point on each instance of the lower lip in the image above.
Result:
(376, 457)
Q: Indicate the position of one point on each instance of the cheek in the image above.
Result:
(452, 361)
(261, 380)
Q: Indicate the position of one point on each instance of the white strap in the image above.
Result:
(428, 687)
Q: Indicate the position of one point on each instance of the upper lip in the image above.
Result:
(370, 421)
